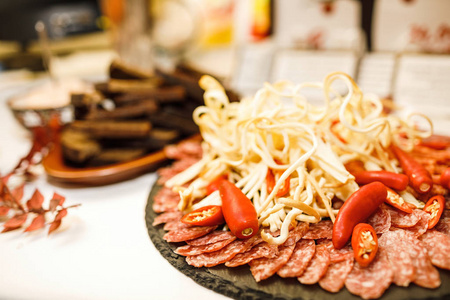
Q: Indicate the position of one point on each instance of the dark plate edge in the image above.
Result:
(209, 280)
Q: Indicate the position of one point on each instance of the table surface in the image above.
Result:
(101, 251)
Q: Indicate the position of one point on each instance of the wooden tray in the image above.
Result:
(59, 172)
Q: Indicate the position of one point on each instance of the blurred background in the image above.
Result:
(398, 49)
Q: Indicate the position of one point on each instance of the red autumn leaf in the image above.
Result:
(5, 194)
(53, 205)
(53, 226)
(37, 223)
(4, 210)
(15, 222)
(17, 193)
(61, 214)
(57, 199)
(35, 203)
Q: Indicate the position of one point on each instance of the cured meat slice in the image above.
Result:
(337, 255)
(166, 217)
(443, 226)
(296, 234)
(303, 253)
(372, 281)
(264, 268)
(401, 219)
(438, 247)
(184, 234)
(196, 250)
(210, 238)
(173, 225)
(427, 275)
(187, 148)
(336, 274)
(225, 254)
(165, 200)
(260, 250)
(380, 220)
(401, 261)
(321, 230)
(317, 267)
(177, 167)
(421, 226)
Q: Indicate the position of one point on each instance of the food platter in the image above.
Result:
(238, 283)
(59, 172)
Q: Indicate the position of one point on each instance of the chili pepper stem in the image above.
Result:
(247, 232)
(424, 187)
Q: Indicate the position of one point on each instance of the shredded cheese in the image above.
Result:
(279, 129)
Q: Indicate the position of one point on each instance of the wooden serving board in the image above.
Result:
(238, 283)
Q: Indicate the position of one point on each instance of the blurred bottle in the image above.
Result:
(129, 22)
(261, 26)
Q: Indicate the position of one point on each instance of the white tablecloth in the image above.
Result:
(102, 250)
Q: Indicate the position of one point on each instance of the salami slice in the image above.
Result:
(166, 217)
(210, 238)
(317, 267)
(443, 226)
(184, 234)
(337, 255)
(196, 250)
(260, 250)
(165, 200)
(370, 282)
(225, 254)
(264, 268)
(303, 253)
(401, 261)
(380, 220)
(427, 275)
(422, 226)
(438, 247)
(401, 219)
(336, 274)
(296, 234)
(174, 225)
(321, 230)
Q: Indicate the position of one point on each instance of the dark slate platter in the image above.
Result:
(238, 283)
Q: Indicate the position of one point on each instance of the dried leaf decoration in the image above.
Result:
(15, 222)
(37, 223)
(4, 211)
(11, 201)
(57, 200)
(17, 193)
(53, 226)
(61, 214)
(35, 203)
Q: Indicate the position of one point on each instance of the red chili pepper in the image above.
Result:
(355, 166)
(271, 179)
(336, 132)
(445, 178)
(364, 244)
(214, 185)
(238, 211)
(397, 201)
(419, 178)
(435, 207)
(356, 209)
(390, 179)
(204, 216)
(438, 142)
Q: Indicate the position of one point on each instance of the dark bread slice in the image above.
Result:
(78, 146)
(114, 129)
